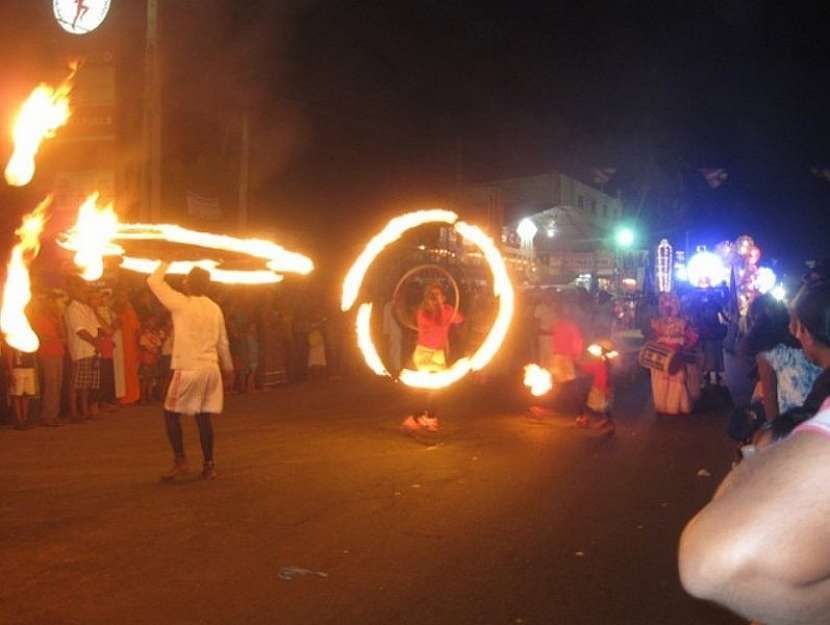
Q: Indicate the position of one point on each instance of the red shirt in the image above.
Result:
(434, 332)
(567, 339)
(50, 331)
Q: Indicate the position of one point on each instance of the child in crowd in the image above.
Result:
(316, 352)
(22, 384)
(150, 341)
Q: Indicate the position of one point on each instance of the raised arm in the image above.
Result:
(762, 546)
(169, 297)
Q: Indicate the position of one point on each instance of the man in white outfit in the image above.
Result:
(199, 349)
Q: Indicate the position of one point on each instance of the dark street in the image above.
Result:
(508, 519)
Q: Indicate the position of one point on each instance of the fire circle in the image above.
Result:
(502, 289)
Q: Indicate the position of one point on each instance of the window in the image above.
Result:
(593, 206)
(580, 201)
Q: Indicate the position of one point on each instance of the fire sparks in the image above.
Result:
(502, 289)
(17, 291)
(537, 379)
(43, 112)
(95, 233)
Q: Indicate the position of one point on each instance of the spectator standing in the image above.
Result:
(22, 384)
(316, 350)
(394, 336)
(82, 339)
(252, 340)
(48, 325)
(127, 348)
(545, 316)
(106, 348)
(149, 342)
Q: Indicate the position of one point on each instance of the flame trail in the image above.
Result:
(44, 111)
(17, 292)
(538, 379)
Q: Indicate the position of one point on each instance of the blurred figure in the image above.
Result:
(47, 323)
(150, 341)
(127, 352)
(316, 350)
(251, 366)
(82, 327)
(712, 329)
(22, 384)
(544, 315)
(394, 336)
(106, 349)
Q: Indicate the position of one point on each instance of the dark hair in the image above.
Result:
(769, 326)
(198, 281)
(811, 307)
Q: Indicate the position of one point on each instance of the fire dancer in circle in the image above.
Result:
(434, 318)
(200, 348)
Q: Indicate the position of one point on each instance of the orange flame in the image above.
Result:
(44, 111)
(538, 379)
(17, 292)
(94, 234)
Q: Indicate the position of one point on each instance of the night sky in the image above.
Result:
(359, 109)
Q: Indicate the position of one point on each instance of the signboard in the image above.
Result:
(80, 17)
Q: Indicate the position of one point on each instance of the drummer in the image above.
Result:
(434, 319)
(669, 390)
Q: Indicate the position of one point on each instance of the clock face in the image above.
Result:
(80, 16)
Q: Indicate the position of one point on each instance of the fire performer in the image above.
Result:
(199, 349)
(434, 318)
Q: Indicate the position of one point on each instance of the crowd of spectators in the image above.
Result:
(107, 345)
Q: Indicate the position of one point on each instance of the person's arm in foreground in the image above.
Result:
(769, 384)
(169, 297)
(761, 547)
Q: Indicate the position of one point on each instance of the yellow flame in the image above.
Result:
(17, 292)
(502, 288)
(391, 233)
(364, 340)
(183, 267)
(44, 111)
(538, 379)
(94, 235)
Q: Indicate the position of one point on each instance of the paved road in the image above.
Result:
(508, 520)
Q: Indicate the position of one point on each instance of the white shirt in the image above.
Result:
(201, 338)
(79, 317)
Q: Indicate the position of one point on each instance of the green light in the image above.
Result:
(624, 237)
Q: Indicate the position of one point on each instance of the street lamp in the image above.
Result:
(624, 237)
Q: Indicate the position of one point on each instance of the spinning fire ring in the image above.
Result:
(502, 289)
(97, 231)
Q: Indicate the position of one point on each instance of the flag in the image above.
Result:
(203, 207)
(603, 175)
(822, 172)
(714, 177)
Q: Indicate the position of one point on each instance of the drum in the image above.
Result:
(660, 357)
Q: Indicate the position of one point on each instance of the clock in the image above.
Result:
(80, 17)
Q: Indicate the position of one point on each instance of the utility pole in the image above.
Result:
(151, 132)
(243, 176)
